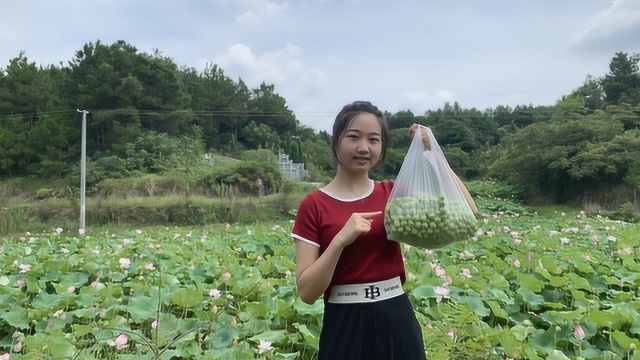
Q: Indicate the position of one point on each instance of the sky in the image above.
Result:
(401, 55)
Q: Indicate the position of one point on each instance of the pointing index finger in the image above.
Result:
(370, 214)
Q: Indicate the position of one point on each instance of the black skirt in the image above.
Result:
(385, 330)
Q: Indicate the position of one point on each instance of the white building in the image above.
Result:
(291, 170)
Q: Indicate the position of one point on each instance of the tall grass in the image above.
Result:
(19, 216)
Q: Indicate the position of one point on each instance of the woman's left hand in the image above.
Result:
(425, 134)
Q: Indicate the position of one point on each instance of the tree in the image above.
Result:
(219, 104)
(552, 158)
(622, 83)
(400, 120)
(12, 143)
(29, 91)
(25, 88)
(569, 108)
(125, 92)
(52, 158)
(592, 93)
(268, 108)
(627, 115)
(260, 137)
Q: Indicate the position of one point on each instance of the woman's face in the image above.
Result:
(360, 145)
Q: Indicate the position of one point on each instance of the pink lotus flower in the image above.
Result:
(24, 267)
(466, 272)
(120, 342)
(64, 250)
(71, 289)
(81, 231)
(154, 324)
(60, 314)
(214, 308)
(440, 271)
(233, 321)
(59, 230)
(214, 293)
(18, 346)
(441, 292)
(264, 346)
(227, 275)
(20, 283)
(5, 356)
(125, 263)
(516, 263)
(578, 332)
(452, 334)
(149, 266)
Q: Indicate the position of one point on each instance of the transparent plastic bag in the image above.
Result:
(427, 207)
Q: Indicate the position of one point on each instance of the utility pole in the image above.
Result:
(83, 172)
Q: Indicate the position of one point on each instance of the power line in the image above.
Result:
(151, 112)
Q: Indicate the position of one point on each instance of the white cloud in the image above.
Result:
(315, 78)
(319, 56)
(514, 99)
(621, 20)
(261, 11)
(8, 36)
(444, 95)
(274, 67)
(423, 100)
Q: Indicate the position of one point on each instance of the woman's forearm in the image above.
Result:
(443, 164)
(467, 195)
(313, 281)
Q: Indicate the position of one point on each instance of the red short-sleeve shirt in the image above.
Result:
(371, 257)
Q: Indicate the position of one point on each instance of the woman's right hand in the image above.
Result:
(359, 223)
(424, 131)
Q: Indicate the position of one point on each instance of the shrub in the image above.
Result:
(627, 212)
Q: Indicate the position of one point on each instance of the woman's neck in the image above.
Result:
(357, 183)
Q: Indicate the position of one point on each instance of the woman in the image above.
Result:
(342, 251)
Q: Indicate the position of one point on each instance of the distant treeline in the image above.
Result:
(148, 115)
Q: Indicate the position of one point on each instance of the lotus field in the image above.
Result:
(525, 287)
